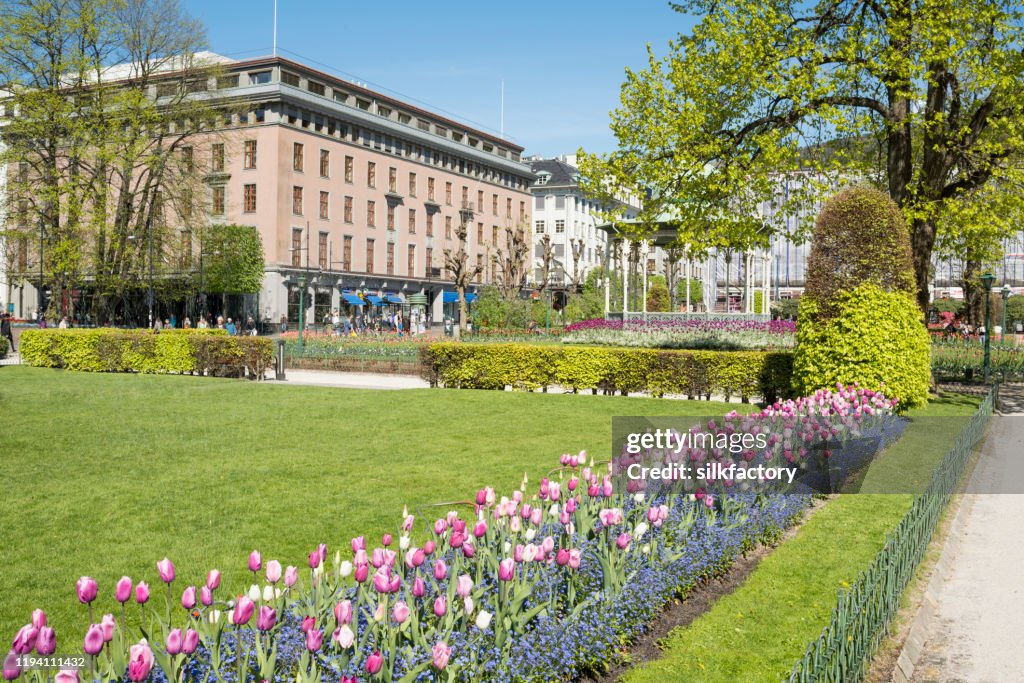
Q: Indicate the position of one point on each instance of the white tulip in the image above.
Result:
(483, 620)
(467, 603)
(640, 530)
(346, 568)
(403, 542)
(531, 534)
(639, 497)
(254, 593)
(554, 510)
(268, 593)
(214, 616)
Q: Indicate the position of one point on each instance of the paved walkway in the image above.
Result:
(349, 380)
(975, 635)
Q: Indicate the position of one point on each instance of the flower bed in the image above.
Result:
(173, 351)
(960, 359)
(538, 586)
(725, 335)
(689, 373)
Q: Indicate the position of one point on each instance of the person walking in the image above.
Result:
(202, 324)
(230, 327)
(5, 330)
(250, 326)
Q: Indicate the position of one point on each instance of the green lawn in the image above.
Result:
(106, 474)
(760, 631)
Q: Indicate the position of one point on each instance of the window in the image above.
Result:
(430, 224)
(296, 247)
(250, 199)
(315, 88)
(411, 261)
(392, 179)
(324, 201)
(508, 208)
(249, 160)
(430, 189)
(447, 227)
(297, 156)
(479, 267)
(651, 265)
(480, 201)
(371, 174)
(494, 204)
(371, 213)
(325, 164)
(346, 252)
(391, 216)
(369, 255)
(187, 159)
(429, 261)
(290, 78)
(539, 229)
(391, 258)
(539, 205)
(559, 226)
(322, 251)
(494, 235)
(297, 200)
(259, 77)
(522, 210)
(412, 221)
(217, 157)
(348, 210)
(349, 161)
(448, 194)
(465, 197)
(217, 202)
(479, 233)
(224, 82)
(412, 184)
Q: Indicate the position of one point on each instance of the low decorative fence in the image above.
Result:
(695, 374)
(201, 352)
(640, 317)
(862, 616)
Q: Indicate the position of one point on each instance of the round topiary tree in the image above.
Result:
(658, 298)
(859, 320)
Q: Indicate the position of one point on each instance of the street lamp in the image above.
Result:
(987, 280)
(40, 295)
(1006, 292)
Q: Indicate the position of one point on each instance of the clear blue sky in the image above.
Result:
(562, 60)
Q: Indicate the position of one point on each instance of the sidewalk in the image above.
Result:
(975, 633)
(348, 380)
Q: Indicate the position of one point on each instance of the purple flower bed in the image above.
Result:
(691, 325)
(723, 335)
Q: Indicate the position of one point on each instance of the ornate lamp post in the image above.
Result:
(1006, 292)
(986, 280)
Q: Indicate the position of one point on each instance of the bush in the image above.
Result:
(3, 347)
(785, 309)
(860, 237)
(658, 298)
(181, 352)
(690, 373)
(875, 338)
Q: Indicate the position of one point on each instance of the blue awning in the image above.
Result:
(395, 299)
(453, 297)
(374, 299)
(353, 299)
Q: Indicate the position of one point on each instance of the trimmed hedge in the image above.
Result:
(624, 370)
(181, 351)
(3, 346)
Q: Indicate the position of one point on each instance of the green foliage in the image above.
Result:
(860, 237)
(696, 291)
(758, 301)
(691, 373)
(874, 338)
(589, 303)
(494, 311)
(785, 309)
(233, 259)
(3, 347)
(658, 298)
(1014, 311)
(180, 352)
(947, 305)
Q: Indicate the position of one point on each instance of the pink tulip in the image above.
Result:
(457, 524)
(378, 558)
(87, 589)
(374, 663)
(440, 607)
(142, 593)
(362, 573)
(382, 580)
(575, 555)
(166, 570)
(536, 516)
(480, 528)
(440, 526)
(314, 639)
(266, 619)
(25, 641)
(11, 670)
(206, 596)
(108, 623)
(291, 576)
(343, 612)
(464, 586)
(255, 561)
(419, 588)
(419, 556)
(468, 549)
(190, 643)
(386, 540)
(548, 544)
(273, 571)
(213, 580)
(344, 636)
(93, 640)
(243, 611)
(140, 662)
(457, 539)
(67, 676)
(46, 641)
(123, 592)
(322, 549)
(440, 654)
(358, 543)
(518, 551)
(314, 559)
(562, 558)
(348, 679)
(173, 643)
(506, 569)
(38, 618)
(188, 597)
(308, 623)
(623, 541)
(400, 612)
(440, 570)
(571, 505)
(408, 522)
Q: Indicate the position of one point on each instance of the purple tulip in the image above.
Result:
(86, 589)
(386, 540)
(188, 597)
(374, 663)
(166, 570)
(255, 561)
(419, 588)
(38, 618)
(623, 541)
(266, 619)
(457, 539)
(142, 593)
(314, 639)
(440, 607)
(46, 641)
(273, 571)
(190, 643)
(307, 624)
(440, 654)
(206, 596)
(173, 643)
(343, 612)
(11, 668)
(243, 611)
(506, 569)
(123, 592)
(213, 580)
(140, 662)
(322, 549)
(93, 640)
(25, 641)
(468, 550)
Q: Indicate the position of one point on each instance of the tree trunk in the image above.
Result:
(922, 242)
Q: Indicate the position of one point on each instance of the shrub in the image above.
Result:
(860, 237)
(3, 347)
(875, 338)
(113, 350)
(690, 373)
(658, 298)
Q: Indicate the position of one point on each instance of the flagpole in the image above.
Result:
(275, 28)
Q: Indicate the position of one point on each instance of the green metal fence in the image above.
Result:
(861, 618)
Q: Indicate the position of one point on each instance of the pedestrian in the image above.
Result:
(284, 323)
(220, 322)
(187, 323)
(63, 323)
(5, 330)
(202, 324)
(250, 326)
(230, 327)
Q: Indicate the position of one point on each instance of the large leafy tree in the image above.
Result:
(922, 97)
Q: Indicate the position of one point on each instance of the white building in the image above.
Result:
(564, 213)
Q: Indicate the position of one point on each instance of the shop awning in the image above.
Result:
(375, 300)
(453, 297)
(395, 299)
(417, 299)
(353, 299)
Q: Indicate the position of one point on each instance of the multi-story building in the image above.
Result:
(563, 213)
(353, 192)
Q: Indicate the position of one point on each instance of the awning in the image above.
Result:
(395, 299)
(417, 299)
(453, 298)
(353, 299)
(375, 300)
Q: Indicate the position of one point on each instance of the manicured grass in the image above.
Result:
(106, 474)
(760, 631)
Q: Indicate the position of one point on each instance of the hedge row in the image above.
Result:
(3, 346)
(624, 370)
(113, 350)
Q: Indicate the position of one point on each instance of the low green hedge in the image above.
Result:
(182, 351)
(3, 346)
(625, 370)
